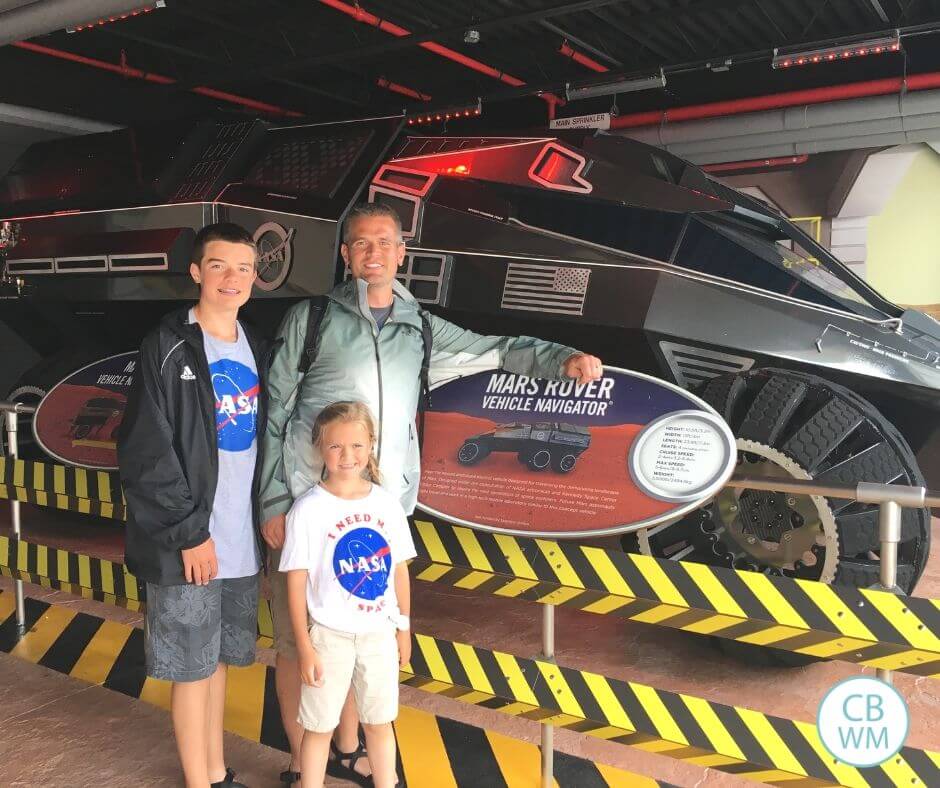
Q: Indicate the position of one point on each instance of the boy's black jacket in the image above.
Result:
(168, 450)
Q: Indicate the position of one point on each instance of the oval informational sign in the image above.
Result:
(76, 421)
(527, 456)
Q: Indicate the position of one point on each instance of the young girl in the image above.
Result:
(348, 594)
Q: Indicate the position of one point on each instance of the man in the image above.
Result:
(369, 349)
(187, 454)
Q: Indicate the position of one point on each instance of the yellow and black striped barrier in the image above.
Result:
(62, 487)
(761, 747)
(866, 627)
(91, 577)
(434, 751)
(861, 626)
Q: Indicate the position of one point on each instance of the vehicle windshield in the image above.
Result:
(771, 262)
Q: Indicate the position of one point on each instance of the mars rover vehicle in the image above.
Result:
(593, 240)
(536, 445)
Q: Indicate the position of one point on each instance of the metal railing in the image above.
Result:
(890, 498)
(11, 411)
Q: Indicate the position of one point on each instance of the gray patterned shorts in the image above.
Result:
(190, 629)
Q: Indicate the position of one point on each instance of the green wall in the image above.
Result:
(903, 260)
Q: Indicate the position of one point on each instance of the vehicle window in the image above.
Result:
(751, 259)
(648, 233)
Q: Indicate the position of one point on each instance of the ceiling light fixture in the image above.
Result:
(443, 115)
(612, 88)
(789, 58)
(146, 9)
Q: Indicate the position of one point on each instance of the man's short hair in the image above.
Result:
(364, 210)
(221, 231)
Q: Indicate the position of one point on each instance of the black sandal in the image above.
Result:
(228, 781)
(288, 777)
(336, 768)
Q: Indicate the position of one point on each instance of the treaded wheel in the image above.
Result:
(564, 463)
(471, 452)
(801, 425)
(539, 460)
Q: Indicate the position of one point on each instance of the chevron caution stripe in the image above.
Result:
(435, 752)
(62, 487)
(759, 746)
(862, 626)
(91, 577)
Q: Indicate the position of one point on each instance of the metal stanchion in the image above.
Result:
(889, 527)
(548, 653)
(11, 419)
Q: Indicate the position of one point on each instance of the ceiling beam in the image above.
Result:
(580, 43)
(879, 10)
(228, 72)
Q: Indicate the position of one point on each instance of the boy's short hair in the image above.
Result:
(221, 231)
(364, 210)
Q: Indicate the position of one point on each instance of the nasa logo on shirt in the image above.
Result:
(361, 562)
(236, 403)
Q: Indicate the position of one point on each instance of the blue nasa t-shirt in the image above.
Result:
(236, 386)
(350, 549)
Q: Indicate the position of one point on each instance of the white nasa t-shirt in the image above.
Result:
(350, 549)
(236, 385)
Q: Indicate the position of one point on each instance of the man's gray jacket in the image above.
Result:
(356, 361)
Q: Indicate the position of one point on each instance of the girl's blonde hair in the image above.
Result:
(349, 412)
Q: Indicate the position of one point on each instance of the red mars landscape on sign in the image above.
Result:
(501, 492)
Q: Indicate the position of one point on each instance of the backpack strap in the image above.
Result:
(308, 356)
(424, 400)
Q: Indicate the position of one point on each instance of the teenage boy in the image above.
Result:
(187, 454)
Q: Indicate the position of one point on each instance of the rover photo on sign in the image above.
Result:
(535, 445)
(632, 452)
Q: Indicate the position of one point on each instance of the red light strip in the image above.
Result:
(382, 82)
(881, 46)
(129, 71)
(358, 13)
(583, 60)
(109, 19)
(445, 115)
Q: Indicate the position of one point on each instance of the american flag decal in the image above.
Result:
(545, 288)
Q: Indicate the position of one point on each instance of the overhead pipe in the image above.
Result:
(361, 15)
(794, 98)
(125, 70)
(46, 16)
(752, 164)
(581, 59)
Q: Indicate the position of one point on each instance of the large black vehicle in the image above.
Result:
(536, 445)
(593, 240)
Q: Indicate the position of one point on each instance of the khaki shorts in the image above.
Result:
(284, 642)
(369, 662)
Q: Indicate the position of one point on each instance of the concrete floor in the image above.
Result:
(663, 658)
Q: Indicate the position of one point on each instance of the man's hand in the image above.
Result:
(273, 531)
(583, 367)
(404, 646)
(311, 667)
(200, 564)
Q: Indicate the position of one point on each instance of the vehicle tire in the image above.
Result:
(539, 460)
(564, 463)
(796, 425)
(471, 453)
